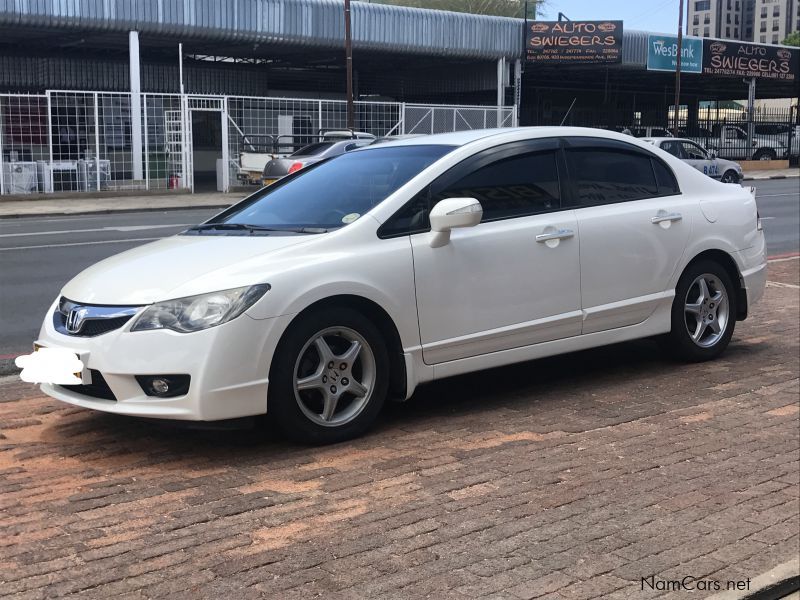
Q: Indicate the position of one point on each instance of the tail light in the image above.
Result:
(759, 224)
(295, 167)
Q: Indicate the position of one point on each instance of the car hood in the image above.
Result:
(178, 266)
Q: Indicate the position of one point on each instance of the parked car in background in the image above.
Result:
(277, 168)
(730, 141)
(644, 132)
(701, 159)
(314, 300)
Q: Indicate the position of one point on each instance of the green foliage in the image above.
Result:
(793, 39)
(502, 8)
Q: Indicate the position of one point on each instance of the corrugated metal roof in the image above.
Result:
(312, 23)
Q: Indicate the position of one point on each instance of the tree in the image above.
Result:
(502, 8)
(793, 39)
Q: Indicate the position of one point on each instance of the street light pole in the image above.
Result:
(678, 71)
(348, 50)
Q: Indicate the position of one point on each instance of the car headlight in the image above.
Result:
(194, 313)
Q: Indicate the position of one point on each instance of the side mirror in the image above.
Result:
(712, 154)
(451, 213)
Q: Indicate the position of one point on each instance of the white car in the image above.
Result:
(361, 277)
(708, 163)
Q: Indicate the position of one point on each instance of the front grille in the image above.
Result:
(97, 389)
(94, 320)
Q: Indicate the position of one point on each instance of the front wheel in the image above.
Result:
(765, 154)
(329, 377)
(730, 177)
(703, 313)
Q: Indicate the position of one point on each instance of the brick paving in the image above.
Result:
(571, 477)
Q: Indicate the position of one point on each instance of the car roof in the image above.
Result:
(462, 138)
(653, 140)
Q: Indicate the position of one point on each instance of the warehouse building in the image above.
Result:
(96, 94)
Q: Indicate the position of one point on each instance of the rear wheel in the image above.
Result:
(329, 377)
(730, 177)
(703, 312)
(765, 154)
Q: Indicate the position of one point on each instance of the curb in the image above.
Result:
(772, 585)
(765, 177)
(107, 211)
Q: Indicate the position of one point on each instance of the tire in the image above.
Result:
(704, 314)
(765, 154)
(730, 176)
(359, 385)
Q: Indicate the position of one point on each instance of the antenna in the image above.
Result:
(566, 114)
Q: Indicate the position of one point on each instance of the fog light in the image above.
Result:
(164, 386)
(160, 386)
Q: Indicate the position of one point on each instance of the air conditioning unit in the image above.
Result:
(87, 174)
(19, 177)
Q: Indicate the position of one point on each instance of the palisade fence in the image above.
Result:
(726, 128)
(83, 141)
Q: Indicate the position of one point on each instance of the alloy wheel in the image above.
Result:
(334, 376)
(706, 310)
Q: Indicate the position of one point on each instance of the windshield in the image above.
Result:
(328, 195)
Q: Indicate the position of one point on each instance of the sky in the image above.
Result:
(649, 15)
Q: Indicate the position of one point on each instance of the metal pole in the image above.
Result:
(135, 105)
(180, 66)
(348, 50)
(2, 167)
(751, 99)
(501, 67)
(678, 71)
(96, 140)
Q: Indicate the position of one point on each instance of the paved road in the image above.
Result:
(39, 255)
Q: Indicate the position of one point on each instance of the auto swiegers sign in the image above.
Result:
(574, 42)
(734, 59)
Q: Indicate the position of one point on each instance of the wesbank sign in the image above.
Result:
(662, 54)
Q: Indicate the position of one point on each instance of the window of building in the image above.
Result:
(701, 5)
(696, 20)
(695, 32)
(706, 19)
(776, 24)
(774, 39)
(728, 18)
(706, 32)
(776, 10)
(763, 12)
(727, 33)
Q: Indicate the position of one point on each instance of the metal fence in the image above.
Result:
(78, 141)
(726, 128)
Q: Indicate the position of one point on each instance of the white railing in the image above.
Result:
(80, 141)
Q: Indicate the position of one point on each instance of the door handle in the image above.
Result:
(660, 218)
(561, 234)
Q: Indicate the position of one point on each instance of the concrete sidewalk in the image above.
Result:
(772, 174)
(41, 206)
(44, 206)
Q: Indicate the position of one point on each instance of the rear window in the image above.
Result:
(313, 149)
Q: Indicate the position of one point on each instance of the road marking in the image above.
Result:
(774, 195)
(102, 229)
(779, 284)
(78, 244)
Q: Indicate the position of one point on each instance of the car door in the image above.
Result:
(511, 281)
(633, 223)
(699, 159)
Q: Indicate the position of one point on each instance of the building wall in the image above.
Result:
(775, 20)
(761, 21)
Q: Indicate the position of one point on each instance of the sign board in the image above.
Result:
(574, 42)
(733, 59)
(662, 54)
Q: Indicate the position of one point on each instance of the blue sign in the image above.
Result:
(662, 54)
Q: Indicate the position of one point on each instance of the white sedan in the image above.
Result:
(359, 278)
(708, 163)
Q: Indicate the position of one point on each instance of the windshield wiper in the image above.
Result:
(254, 228)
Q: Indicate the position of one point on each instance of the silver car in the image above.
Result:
(277, 168)
(708, 163)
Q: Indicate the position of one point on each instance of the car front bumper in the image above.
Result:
(228, 366)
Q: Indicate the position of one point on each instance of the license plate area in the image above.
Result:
(85, 374)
